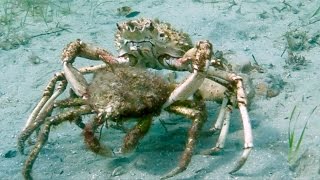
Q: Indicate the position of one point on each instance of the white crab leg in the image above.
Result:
(45, 97)
(248, 139)
(224, 130)
(226, 78)
(187, 88)
(199, 57)
(35, 120)
(242, 102)
(217, 126)
(76, 79)
(35, 112)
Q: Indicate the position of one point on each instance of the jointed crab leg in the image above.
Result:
(69, 102)
(44, 134)
(198, 116)
(199, 57)
(218, 124)
(242, 104)
(91, 140)
(47, 93)
(130, 140)
(248, 142)
(228, 79)
(44, 107)
(76, 79)
(223, 133)
(81, 49)
(37, 109)
(42, 110)
(136, 133)
(91, 69)
(186, 89)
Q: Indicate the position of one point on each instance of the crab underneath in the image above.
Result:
(153, 44)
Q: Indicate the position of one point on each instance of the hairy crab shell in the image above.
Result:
(127, 91)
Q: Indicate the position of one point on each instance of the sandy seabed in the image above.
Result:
(246, 28)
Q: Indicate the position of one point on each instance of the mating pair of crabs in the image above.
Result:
(122, 88)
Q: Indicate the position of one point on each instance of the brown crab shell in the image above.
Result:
(128, 92)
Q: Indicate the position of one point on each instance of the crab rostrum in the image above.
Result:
(141, 44)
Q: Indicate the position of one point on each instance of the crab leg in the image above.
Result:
(80, 49)
(186, 89)
(76, 79)
(46, 103)
(135, 134)
(223, 133)
(50, 88)
(217, 126)
(93, 142)
(199, 57)
(41, 111)
(198, 116)
(44, 134)
(91, 69)
(232, 79)
(248, 139)
(47, 93)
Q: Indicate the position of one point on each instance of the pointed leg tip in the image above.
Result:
(173, 173)
(235, 169)
(242, 160)
(238, 166)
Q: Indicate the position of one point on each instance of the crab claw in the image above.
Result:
(199, 57)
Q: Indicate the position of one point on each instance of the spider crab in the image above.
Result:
(143, 43)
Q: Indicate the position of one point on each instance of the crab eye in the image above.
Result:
(119, 27)
(151, 27)
(131, 26)
(161, 35)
